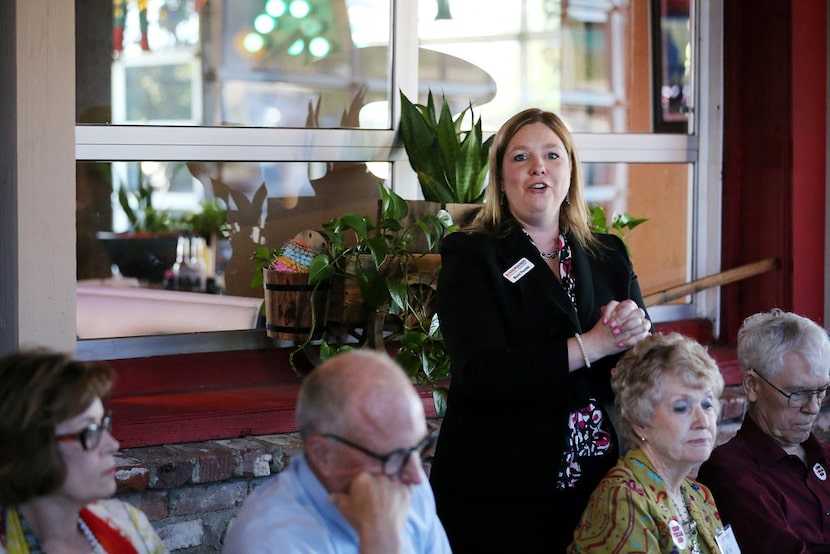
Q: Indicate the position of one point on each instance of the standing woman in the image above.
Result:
(57, 461)
(535, 310)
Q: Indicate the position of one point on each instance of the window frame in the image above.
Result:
(701, 149)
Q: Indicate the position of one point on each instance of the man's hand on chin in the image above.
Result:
(376, 506)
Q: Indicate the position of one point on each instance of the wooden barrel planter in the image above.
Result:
(294, 309)
(346, 306)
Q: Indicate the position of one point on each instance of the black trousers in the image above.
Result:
(486, 525)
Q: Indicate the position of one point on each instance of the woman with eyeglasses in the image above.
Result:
(57, 461)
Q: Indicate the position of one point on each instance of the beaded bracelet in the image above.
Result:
(582, 348)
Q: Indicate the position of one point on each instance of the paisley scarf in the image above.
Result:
(16, 536)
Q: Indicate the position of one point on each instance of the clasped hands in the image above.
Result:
(622, 325)
(376, 506)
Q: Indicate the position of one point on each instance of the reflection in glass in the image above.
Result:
(273, 63)
(267, 204)
(283, 64)
(587, 61)
(672, 65)
(247, 62)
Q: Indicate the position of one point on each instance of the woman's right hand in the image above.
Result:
(623, 324)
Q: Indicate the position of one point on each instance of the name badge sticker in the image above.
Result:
(678, 536)
(726, 541)
(518, 270)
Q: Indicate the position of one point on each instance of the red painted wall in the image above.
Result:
(774, 155)
(809, 151)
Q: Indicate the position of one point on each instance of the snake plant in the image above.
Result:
(451, 163)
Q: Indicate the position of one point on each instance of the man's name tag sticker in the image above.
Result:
(726, 541)
(820, 472)
(518, 270)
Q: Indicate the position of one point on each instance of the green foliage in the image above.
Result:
(144, 217)
(451, 164)
(621, 224)
(211, 220)
(140, 212)
(353, 240)
(262, 257)
(377, 256)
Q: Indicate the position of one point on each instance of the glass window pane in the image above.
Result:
(575, 58)
(267, 204)
(272, 63)
(661, 193)
(302, 63)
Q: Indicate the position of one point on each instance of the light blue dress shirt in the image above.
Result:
(292, 514)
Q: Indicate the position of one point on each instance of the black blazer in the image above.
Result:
(507, 344)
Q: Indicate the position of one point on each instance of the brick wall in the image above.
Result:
(191, 491)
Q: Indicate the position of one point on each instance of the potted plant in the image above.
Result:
(393, 285)
(451, 163)
(149, 249)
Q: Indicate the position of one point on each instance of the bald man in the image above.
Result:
(359, 485)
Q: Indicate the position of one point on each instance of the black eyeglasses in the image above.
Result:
(90, 436)
(797, 399)
(394, 462)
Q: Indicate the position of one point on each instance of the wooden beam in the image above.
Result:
(716, 280)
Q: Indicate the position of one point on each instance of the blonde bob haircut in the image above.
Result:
(641, 374)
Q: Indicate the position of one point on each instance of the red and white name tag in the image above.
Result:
(678, 536)
(518, 270)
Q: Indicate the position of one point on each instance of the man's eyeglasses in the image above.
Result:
(394, 462)
(89, 436)
(797, 399)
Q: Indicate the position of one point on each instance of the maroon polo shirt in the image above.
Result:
(773, 501)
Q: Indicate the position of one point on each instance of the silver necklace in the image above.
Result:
(546, 255)
(689, 524)
(90, 538)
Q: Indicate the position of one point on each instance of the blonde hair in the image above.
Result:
(642, 371)
(495, 216)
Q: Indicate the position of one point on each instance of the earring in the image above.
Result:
(568, 199)
(501, 198)
(642, 439)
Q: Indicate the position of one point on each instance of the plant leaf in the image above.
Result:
(321, 268)
(435, 190)
(372, 287)
(417, 133)
(397, 293)
(439, 398)
(357, 223)
(378, 248)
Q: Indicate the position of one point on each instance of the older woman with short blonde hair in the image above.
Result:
(667, 391)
